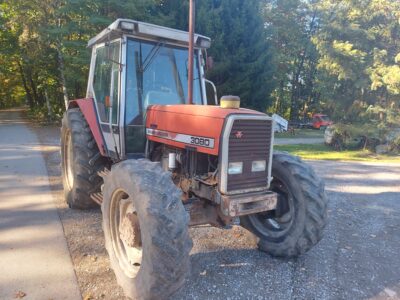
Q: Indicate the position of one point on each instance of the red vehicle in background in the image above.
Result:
(320, 121)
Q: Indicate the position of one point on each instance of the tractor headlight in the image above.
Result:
(258, 165)
(235, 168)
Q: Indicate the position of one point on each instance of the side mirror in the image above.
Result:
(209, 63)
(214, 90)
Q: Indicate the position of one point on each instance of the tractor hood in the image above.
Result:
(197, 126)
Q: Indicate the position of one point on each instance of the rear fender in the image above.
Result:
(88, 110)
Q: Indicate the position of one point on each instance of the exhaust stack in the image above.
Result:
(191, 50)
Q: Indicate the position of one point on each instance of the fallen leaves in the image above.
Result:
(19, 295)
(88, 297)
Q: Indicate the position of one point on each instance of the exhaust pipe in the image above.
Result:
(191, 50)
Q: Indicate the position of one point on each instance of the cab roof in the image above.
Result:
(150, 31)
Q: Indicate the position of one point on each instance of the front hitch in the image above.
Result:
(246, 204)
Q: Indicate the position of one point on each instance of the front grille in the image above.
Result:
(249, 140)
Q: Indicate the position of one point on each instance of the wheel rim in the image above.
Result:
(125, 233)
(69, 167)
(276, 223)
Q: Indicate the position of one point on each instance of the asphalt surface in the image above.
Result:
(357, 259)
(34, 258)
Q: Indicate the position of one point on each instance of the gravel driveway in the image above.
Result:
(357, 259)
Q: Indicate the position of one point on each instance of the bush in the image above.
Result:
(42, 115)
(357, 136)
(394, 144)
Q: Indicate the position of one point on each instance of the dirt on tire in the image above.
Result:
(164, 224)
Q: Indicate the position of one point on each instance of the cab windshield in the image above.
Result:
(156, 74)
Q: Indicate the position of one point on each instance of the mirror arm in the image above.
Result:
(214, 88)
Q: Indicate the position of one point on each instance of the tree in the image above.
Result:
(239, 48)
(290, 25)
(358, 42)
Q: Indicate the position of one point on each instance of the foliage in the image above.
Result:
(360, 136)
(44, 46)
(300, 134)
(290, 25)
(240, 49)
(358, 47)
(395, 144)
(293, 57)
(365, 135)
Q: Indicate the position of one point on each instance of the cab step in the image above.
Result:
(97, 197)
(103, 173)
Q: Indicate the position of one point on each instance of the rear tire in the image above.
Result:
(298, 222)
(80, 161)
(160, 223)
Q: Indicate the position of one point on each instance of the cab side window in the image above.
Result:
(106, 81)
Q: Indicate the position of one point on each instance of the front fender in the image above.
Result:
(88, 110)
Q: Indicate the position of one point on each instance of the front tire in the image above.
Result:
(146, 230)
(80, 161)
(298, 222)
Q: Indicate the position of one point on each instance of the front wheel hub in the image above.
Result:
(129, 230)
(125, 233)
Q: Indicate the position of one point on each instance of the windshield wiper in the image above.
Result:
(151, 56)
(141, 67)
(139, 78)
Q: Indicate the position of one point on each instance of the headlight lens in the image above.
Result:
(235, 168)
(258, 165)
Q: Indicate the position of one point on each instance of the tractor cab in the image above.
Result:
(135, 65)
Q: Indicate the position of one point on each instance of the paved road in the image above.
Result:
(34, 257)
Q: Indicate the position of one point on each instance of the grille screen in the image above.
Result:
(249, 140)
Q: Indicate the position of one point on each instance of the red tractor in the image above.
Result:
(158, 164)
(320, 121)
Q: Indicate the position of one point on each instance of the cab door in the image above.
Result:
(105, 87)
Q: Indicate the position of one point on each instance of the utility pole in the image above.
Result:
(191, 50)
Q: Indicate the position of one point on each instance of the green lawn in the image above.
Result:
(323, 152)
(301, 133)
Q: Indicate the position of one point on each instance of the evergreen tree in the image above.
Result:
(359, 47)
(239, 47)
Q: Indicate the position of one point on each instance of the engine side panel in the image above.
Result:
(196, 126)
(182, 130)
(87, 108)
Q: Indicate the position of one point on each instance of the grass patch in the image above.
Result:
(323, 152)
(301, 133)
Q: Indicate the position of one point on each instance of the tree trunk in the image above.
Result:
(32, 84)
(49, 112)
(27, 91)
(62, 75)
(280, 98)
